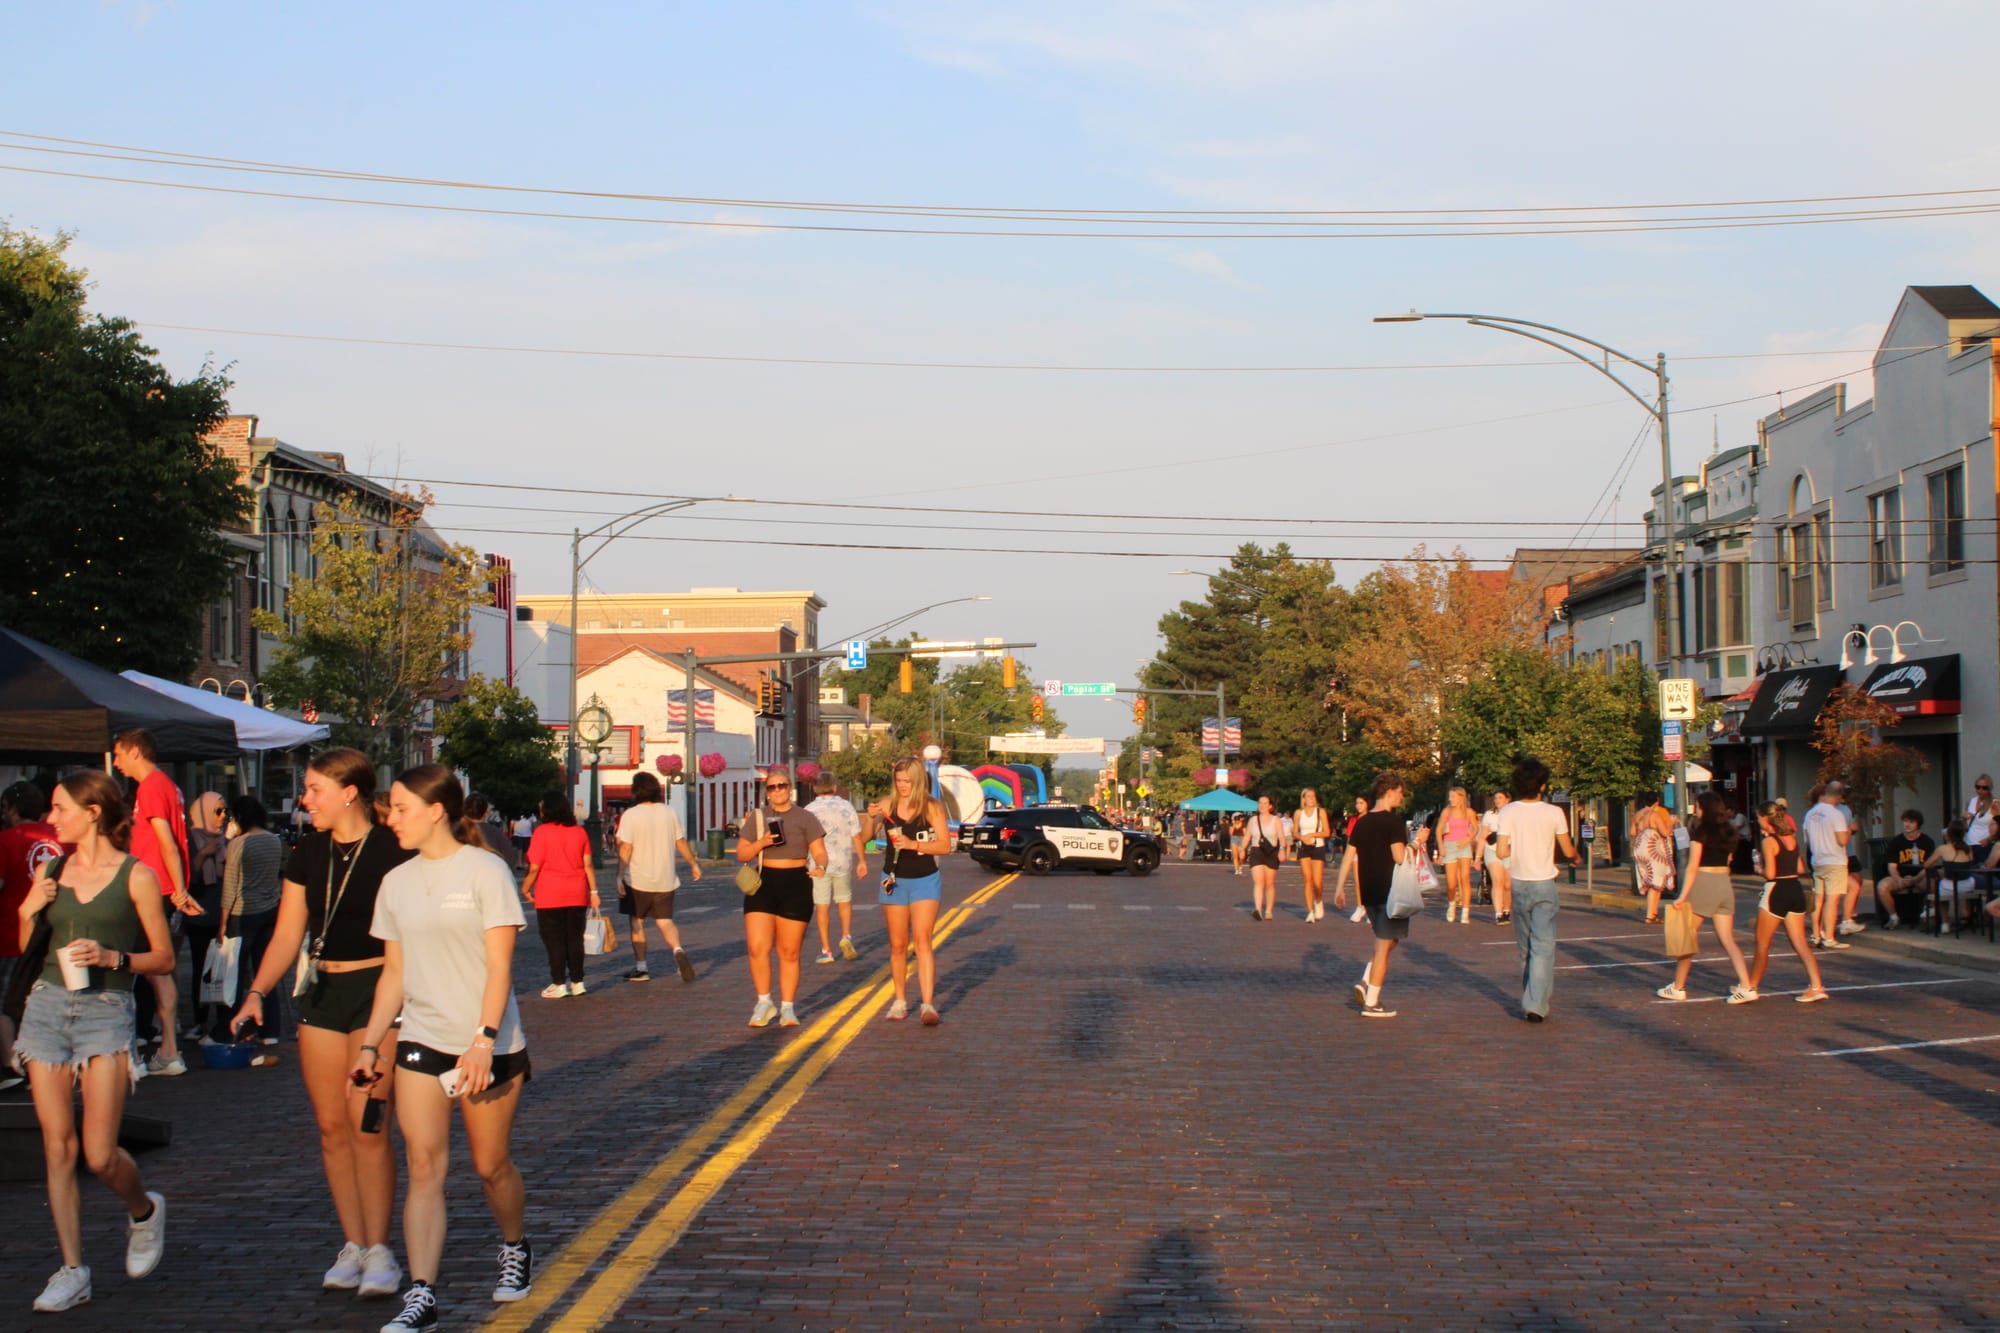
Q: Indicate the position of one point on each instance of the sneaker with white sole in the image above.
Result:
(764, 1012)
(557, 991)
(1360, 914)
(1377, 1011)
(67, 1288)
(825, 956)
(898, 1011)
(381, 1275)
(1834, 942)
(928, 1014)
(420, 1310)
(517, 1272)
(685, 966)
(1671, 992)
(1849, 927)
(638, 974)
(787, 1016)
(1741, 995)
(147, 1240)
(161, 1067)
(348, 1266)
(576, 988)
(1812, 996)
(847, 949)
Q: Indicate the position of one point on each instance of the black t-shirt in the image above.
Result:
(1906, 854)
(348, 939)
(1375, 838)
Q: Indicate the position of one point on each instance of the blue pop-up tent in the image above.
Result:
(1221, 799)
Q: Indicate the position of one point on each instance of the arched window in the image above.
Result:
(267, 564)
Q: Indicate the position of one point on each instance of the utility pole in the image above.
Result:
(690, 767)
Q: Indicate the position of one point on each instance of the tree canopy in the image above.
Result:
(113, 543)
(495, 736)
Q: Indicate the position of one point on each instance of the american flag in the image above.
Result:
(1232, 734)
(704, 710)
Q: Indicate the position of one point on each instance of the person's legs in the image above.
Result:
(635, 928)
(201, 932)
(423, 1114)
(1535, 937)
(53, 1088)
(923, 920)
(489, 1134)
(573, 923)
(1503, 891)
(759, 929)
(1264, 888)
(791, 938)
(1725, 936)
(1853, 895)
(823, 917)
(166, 1004)
(1378, 968)
(548, 922)
(1795, 930)
(360, 1168)
(1767, 927)
(1652, 906)
(897, 919)
(1831, 882)
(105, 1081)
(670, 934)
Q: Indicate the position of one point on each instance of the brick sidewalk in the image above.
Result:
(1145, 1111)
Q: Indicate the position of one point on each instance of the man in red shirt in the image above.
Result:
(26, 845)
(159, 840)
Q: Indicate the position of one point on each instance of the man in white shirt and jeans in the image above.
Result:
(1827, 832)
(836, 887)
(1531, 832)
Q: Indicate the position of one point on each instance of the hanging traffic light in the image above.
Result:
(906, 677)
(1139, 710)
(1035, 706)
(763, 696)
(1007, 672)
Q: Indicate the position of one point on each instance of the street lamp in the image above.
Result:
(1549, 336)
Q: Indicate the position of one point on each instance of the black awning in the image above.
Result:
(1788, 702)
(1919, 687)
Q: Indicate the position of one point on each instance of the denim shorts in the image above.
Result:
(922, 889)
(72, 1027)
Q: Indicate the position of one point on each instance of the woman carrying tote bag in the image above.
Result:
(562, 886)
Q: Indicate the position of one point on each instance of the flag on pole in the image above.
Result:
(704, 710)
(1232, 735)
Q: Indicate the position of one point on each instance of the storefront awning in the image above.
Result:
(1920, 687)
(1788, 702)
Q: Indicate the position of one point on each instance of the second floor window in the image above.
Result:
(1947, 520)
(1885, 539)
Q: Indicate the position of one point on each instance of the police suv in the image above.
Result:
(1041, 838)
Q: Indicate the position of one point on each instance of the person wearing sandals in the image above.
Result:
(1263, 849)
(331, 880)
(1312, 829)
(1707, 892)
(790, 852)
(648, 836)
(1783, 903)
(106, 925)
(562, 886)
(448, 919)
(913, 824)
(1653, 854)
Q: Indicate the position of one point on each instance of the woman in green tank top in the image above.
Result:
(105, 924)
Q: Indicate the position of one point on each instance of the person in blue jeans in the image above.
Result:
(1532, 834)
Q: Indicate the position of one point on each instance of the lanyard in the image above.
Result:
(334, 896)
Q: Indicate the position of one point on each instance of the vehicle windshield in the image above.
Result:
(1091, 819)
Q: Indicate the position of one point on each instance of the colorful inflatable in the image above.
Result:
(1001, 784)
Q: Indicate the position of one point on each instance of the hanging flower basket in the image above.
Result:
(711, 765)
(669, 764)
(808, 771)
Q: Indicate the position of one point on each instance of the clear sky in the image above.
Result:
(1395, 107)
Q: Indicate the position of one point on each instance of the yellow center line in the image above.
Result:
(555, 1279)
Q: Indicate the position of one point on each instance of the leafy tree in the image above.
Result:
(116, 503)
(1216, 639)
(866, 770)
(1848, 736)
(374, 629)
(1496, 716)
(1594, 742)
(496, 737)
(956, 711)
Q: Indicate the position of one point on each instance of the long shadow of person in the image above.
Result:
(1173, 1286)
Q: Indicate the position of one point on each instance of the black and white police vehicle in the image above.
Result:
(1040, 838)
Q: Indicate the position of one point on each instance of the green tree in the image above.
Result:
(866, 770)
(494, 735)
(1495, 717)
(116, 503)
(1594, 741)
(1853, 751)
(373, 629)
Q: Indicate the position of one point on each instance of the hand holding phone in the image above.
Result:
(452, 1081)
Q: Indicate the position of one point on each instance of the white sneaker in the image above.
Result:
(576, 988)
(381, 1275)
(1360, 915)
(765, 1011)
(787, 1017)
(348, 1266)
(1742, 995)
(1849, 927)
(1671, 992)
(558, 991)
(67, 1289)
(1450, 913)
(147, 1240)
(166, 1068)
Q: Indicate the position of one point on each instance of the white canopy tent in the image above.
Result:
(256, 728)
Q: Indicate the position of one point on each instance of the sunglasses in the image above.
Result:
(777, 786)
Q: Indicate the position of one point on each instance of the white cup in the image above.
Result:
(75, 975)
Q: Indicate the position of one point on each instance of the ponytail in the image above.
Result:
(434, 784)
(87, 787)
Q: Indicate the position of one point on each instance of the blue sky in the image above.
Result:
(1155, 106)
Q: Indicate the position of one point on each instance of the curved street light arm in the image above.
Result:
(1513, 325)
(1652, 406)
(613, 529)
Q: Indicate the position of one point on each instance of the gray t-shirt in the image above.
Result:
(440, 911)
(801, 825)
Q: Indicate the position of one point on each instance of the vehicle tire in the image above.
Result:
(1142, 862)
(1039, 860)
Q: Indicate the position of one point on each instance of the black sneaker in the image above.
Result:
(638, 974)
(420, 1310)
(685, 966)
(1377, 1011)
(517, 1271)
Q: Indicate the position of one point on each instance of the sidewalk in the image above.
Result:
(1975, 953)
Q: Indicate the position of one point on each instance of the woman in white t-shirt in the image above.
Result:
(1312, 830)
(1979, 816)
(447, 919)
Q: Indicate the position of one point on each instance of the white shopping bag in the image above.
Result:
(597, 933)
(218, 971)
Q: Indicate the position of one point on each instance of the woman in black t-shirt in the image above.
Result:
(331, 880)
(1376, 844)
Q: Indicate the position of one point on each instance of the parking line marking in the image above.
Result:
(1183, 907)
(1083, 907)
(1138, 907)
(1878, 985)
(1909, 1045)
(1582, 939)
(575, 1259)
(1027, 907)
(1651, 962)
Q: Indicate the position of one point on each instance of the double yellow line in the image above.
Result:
(804, 1059)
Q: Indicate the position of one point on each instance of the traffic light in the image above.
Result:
(1035, 706)
(1007, 672)
(764, 696)
(906, 677)
(1139, 710)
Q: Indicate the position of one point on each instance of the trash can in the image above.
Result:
(715, 844)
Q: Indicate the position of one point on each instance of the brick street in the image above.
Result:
(1146, 1111)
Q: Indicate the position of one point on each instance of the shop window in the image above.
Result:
(1885, 539)
(1822, 555)
(1947, 520)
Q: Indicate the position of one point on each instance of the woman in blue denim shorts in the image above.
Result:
(912, 822)
(105, 924)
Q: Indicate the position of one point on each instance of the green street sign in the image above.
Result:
(1089, 687)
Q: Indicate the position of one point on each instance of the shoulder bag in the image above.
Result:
(750, 878)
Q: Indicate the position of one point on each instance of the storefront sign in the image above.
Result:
(1920, 687)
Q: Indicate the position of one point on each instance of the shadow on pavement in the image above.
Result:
(961, 978)
(1923, 1071)
(1090, 1029)
(1174, 1286)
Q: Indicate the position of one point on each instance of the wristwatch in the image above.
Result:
(491, 1034)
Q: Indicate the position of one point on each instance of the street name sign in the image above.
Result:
(1090, 687)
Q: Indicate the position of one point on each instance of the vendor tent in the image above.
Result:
(1220, 799)
(256, 728)
(52, 704)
